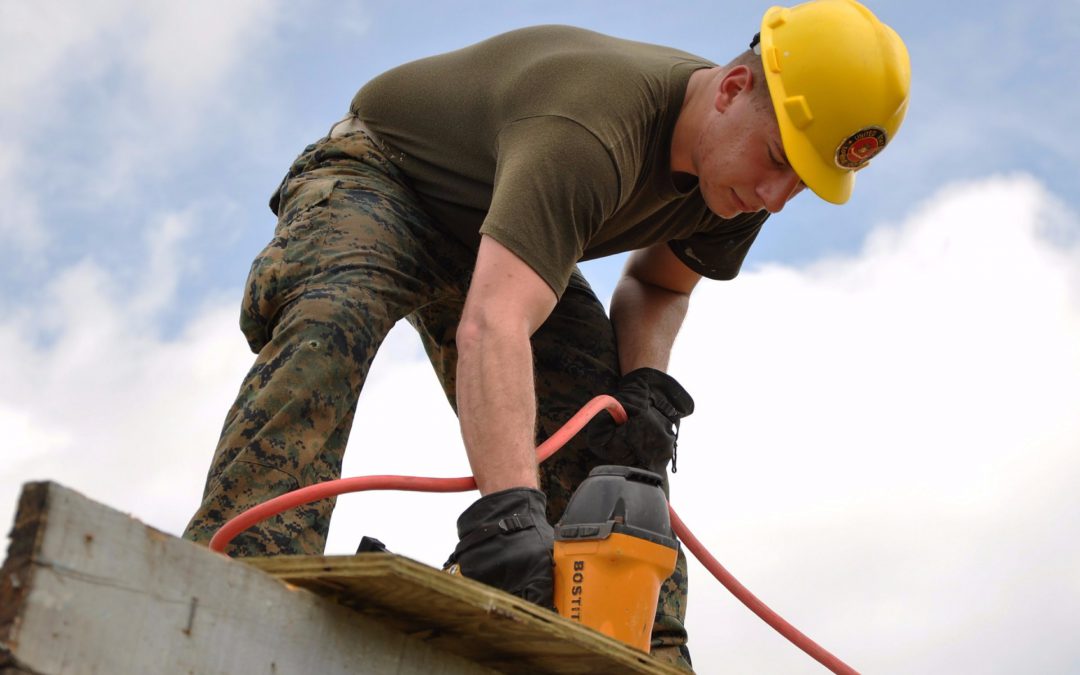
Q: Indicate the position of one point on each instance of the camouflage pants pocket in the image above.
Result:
(278, 272)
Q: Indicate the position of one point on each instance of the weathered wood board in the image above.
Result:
(461, 616)
(86, 589)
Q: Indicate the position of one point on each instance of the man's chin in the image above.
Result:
(722, 208)
(726, 211)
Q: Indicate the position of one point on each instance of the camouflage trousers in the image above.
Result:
(353, 253)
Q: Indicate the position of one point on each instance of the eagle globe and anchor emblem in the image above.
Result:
(860, 147)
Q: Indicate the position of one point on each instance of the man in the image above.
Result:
(460, 193)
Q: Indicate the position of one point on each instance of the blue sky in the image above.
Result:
(127, 117)
(888, 390)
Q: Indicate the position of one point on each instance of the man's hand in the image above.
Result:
(505, 541)
(655, 403)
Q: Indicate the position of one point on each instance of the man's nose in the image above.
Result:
(780, 187)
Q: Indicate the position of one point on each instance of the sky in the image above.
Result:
(887, 438)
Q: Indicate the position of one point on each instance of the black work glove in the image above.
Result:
(505, 541)
(654, 404)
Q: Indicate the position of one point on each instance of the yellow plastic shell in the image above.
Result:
(611, 584)
(839, 80)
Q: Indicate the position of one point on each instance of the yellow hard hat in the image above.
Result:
(839, 81)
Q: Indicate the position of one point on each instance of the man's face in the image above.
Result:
(740, 159)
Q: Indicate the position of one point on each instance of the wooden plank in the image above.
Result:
(16, 576)
(86, 589)
(461, 616)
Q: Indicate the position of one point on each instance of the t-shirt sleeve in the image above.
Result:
(555, 184)
(718, 253)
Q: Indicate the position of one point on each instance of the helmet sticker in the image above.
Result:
(858, 148)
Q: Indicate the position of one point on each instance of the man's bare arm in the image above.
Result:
(506, 303)
(649, 305)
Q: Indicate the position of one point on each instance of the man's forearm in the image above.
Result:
(507, 302)
(646, 319)
(497, 407)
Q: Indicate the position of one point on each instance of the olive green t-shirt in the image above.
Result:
(556, 142)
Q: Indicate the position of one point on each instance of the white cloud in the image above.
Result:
(171, 58)
(884, 450)
(96, 400)
(889, 435)
(99, 96)
(189, 49)
(165, 267)
(20, 226)
(38, 41)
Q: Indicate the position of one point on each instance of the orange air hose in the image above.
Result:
(333, 488)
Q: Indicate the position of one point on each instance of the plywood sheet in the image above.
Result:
(461, 616)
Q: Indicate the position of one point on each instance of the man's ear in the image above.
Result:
(734, 82)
